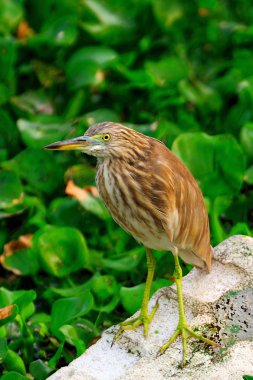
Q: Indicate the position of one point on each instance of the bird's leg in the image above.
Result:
(182, 328)
(144, 318)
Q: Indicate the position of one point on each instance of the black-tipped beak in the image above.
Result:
(78, 143)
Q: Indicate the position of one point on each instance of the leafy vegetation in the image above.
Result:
(176, 70)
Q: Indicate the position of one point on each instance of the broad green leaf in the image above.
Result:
(66, 212)
(22, 298)
(210, 159)
(21, 262)
(82, 175)
(11, 13)
(31, 103)
(75, 290)
(13, 375)
(37, 212)
(61, 30)
(167, 12)
(36, 134)
(9, 136)
(168, 71)
(124, 262)
(13, 362)
(248, 177)
(95, 206)
(201, 95)
(11, 192)
(39, 169)
(240, 229)
(131, 298)
(109, 27)
(104, 287)
(61, 250)
(3, 349)
(99, 116)
(66, 310)
(247, 140)
(39, 369)
(100, 55)
(72, 337)
(8, 48)
(107, 306)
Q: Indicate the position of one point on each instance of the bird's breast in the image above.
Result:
(130, 208)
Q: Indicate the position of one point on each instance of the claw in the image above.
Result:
(185, 331)
(143, 319)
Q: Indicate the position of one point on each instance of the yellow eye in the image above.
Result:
(106, 137)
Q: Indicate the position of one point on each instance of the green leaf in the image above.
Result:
(168, 71)
(81, 174)
(246, 138)
(247, 377)
(104, 286)
(11, 193)
(22, 262)
(31, 103)
(11, 13)
(87, 66)
(167, 12)
(66, 212)
(66, 310)
(61, 30)
(13, 362)
(75, 290)
(9, 136)
(131, 298)
(61, 250)
(8, 48)
(22, 298)
(240, 229)
(3, 349)
(39, 369)
(39, 169)
(109, 27)
(248, 177)
(36, 134)
(210, 159)
(72, 337)
(126, 261)
(13, 375)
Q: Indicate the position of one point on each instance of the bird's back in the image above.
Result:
(154, 197)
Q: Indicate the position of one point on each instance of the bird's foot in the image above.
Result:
(143, 319)
(185, 331)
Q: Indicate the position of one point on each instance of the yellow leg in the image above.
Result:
(144, 318)
(182, 327)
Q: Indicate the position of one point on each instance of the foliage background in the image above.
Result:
(179, 71)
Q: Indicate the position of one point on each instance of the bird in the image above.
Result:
(152, 195)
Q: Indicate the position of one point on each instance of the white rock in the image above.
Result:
(220, 303)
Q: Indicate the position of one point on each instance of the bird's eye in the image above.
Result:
(106, 137)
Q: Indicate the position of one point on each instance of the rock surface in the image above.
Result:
(220, 303)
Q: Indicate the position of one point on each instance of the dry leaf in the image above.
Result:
(24, 30)
(24, 241)
(80, 193)
(6, 312)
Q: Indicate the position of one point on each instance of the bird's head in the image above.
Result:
(103, 140)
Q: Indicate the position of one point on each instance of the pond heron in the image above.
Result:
(153, 196)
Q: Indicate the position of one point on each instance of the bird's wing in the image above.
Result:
(186, 222)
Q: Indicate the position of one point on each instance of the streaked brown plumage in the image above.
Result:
(154, 197)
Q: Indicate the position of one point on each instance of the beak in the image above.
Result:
(78, 143)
